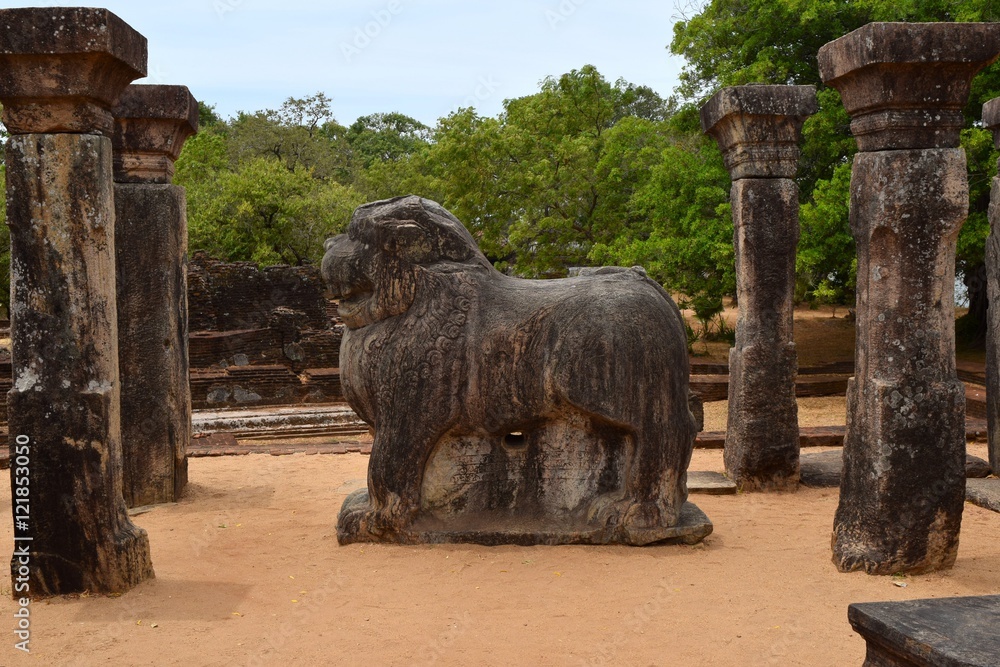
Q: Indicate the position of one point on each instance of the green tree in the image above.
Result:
(528, 183)
(680, 227)
(386, 137)
(732, 42)
(265, 213)
(302, 133)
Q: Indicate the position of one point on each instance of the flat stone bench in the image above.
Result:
(947, 632)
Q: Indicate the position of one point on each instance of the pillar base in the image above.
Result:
(762, 434)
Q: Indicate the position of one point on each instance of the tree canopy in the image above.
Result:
(585, 171)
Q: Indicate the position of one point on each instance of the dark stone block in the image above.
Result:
(948, 632)
(821, 469)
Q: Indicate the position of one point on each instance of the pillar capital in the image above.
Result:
(904, 84)
(758, 128)
(62, 69)
(151, 124)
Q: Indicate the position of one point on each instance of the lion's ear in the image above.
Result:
(405, 238)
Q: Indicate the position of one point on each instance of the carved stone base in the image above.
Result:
(493, 529)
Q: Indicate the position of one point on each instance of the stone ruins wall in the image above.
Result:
(238, 296)
(260, 336)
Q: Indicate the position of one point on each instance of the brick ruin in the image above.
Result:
(260, 336)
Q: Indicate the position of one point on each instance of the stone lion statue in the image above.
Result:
(507, 410)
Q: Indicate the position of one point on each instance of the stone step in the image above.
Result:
(710, 483)
(276, 420)
(706, 367)
(971, 372)
(809, 436)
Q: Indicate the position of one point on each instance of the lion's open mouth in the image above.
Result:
(352, 303)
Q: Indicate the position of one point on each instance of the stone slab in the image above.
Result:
(984, 492)
(710, 483)
(823, 469)
(909, 43)
(71, 31)
(947, 632)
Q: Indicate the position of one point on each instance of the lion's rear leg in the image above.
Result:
(654, 488)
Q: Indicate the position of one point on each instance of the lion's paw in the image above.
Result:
(608, 510)
(361, 521)
(631, 521)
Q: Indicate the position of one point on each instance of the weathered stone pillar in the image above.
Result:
(991, 119)
(152, 123)
(758, 130)
(903, 487)
(61, 70)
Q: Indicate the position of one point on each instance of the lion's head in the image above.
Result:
(375, 268)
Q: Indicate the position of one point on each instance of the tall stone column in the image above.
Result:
(152, 123)
(991, 119)
(61, 71)
(758, 130)
(903, 487)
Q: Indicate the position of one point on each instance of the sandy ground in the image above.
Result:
(819, 411)
(822, 335)
(248, 571)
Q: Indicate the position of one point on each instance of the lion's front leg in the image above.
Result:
(387, 508)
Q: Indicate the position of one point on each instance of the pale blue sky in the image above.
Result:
(426, 58)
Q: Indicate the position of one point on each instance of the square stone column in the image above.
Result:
(991, 120)
(903, 486)
(152, 123)
(758, 129)
(61, 71)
